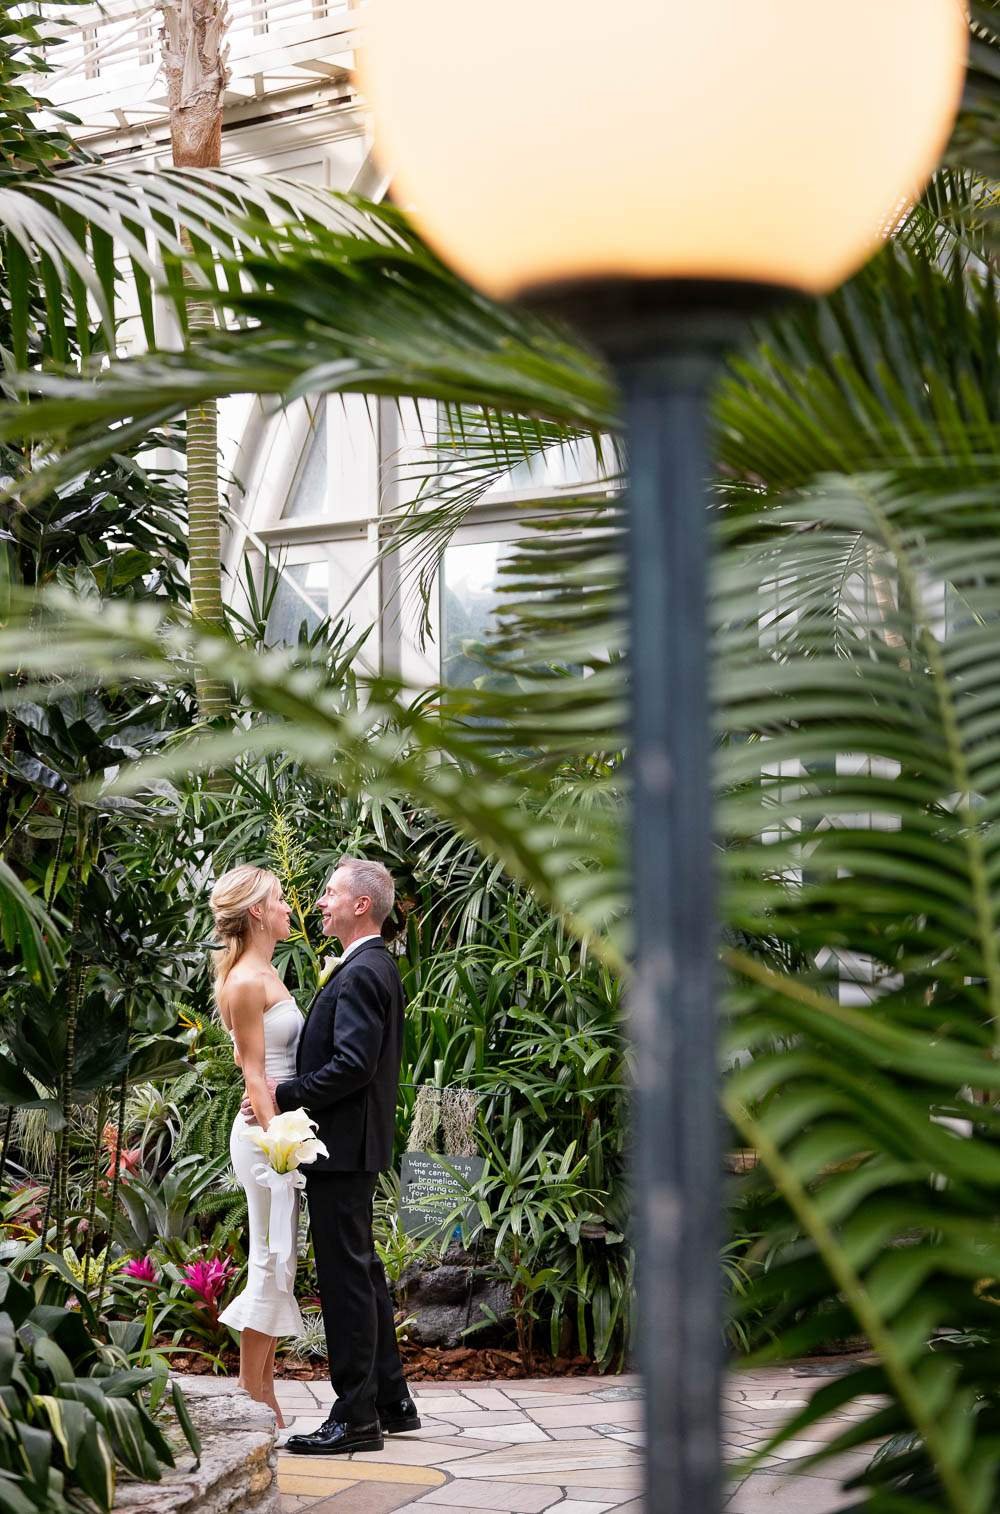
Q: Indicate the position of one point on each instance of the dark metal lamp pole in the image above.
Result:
(662, 143)
(666, 341)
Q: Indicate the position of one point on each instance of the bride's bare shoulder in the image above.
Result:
(245, 995)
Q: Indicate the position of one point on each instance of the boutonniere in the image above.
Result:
(328, 969)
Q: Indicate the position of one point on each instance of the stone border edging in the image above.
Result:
(238, 1470)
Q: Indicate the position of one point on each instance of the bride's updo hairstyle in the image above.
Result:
(231, 899)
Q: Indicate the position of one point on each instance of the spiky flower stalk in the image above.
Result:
(290, 861)
(49, 896)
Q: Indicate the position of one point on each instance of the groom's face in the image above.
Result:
(338, 904)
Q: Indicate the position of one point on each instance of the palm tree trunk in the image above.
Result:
(54, 1176)
(116, 1171)
(95, 1178)
(8, 1126)
(194, 61)
(205, 542)
(75, 996)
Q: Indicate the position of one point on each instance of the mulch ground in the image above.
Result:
(422, 1363)
(464, 1364)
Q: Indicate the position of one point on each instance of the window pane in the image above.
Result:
(469, 604)
(337, 478)
(559, 465)
(309, 492)
(289, 610)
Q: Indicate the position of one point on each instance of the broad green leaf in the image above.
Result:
(184, 1420)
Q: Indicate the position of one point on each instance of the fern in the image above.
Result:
(207, 1127)
(227, 1206)
(192, 1137)
(224, 1110)
(184, 1085)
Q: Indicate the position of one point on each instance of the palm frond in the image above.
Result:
(975, 141)
(896, 371)
(860, 783)
(335, 295)
(27, 928)
(383, 744)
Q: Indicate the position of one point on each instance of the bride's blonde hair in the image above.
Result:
(231, 900)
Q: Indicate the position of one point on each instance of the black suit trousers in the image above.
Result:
(365, 1368)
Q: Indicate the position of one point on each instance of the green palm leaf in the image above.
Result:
(27, 928)
(859, 731)
(382, 745)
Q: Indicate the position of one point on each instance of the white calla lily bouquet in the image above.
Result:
(288, 1143)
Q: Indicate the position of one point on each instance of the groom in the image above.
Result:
(347, 1077)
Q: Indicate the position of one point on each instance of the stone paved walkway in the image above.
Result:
(569, 1445)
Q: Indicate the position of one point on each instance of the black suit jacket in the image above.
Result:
(347, 1064)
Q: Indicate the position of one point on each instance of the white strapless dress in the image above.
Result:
(263, 1305)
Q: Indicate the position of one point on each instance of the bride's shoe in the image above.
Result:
(287, 1429)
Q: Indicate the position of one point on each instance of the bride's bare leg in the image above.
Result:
(268, 1383)
(257, 1369)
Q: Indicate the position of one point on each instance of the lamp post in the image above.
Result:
(658, 172)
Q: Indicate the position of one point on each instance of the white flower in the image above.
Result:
(288, 1142)
(329, 968)
(292, 1125)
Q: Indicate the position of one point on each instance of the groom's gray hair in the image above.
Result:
(373, 881)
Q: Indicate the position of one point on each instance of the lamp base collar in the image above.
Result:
(630, 318)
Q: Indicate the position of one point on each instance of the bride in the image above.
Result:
(251, 916)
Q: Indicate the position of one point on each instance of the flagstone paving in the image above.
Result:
(570, 1445)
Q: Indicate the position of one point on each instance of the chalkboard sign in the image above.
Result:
(428, 1192)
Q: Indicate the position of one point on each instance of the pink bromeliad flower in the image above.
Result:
(208, 1280)
(141, 1268)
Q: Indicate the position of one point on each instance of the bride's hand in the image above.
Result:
(246, 1108)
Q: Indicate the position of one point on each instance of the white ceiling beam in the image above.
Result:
(320, 66)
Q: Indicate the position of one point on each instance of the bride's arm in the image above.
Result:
(246, 1008)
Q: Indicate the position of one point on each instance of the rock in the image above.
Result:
(238, 1470)
(441, 1285)
(457, 1256)
(443, 1300)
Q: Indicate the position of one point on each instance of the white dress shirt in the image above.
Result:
(374, 936)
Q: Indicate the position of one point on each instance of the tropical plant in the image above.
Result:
(310, 1343)
(177, 1292)
(163, 1209)
(397, 1249)
(154, 1121)
(522, 1201)
(73, 1414)
(856, 604)
(210, 1095)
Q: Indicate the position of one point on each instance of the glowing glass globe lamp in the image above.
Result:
(657, 172)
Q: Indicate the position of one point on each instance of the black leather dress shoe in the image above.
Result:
(399, 1417)
(336, 1439)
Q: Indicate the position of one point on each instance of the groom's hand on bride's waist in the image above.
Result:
(246, 1108)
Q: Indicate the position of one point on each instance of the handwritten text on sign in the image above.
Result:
(429, 1192)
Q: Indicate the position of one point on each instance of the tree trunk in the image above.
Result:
(74, 997)
(116, 1170)
(194, 61)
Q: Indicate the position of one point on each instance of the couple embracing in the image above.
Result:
(342, 1066)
